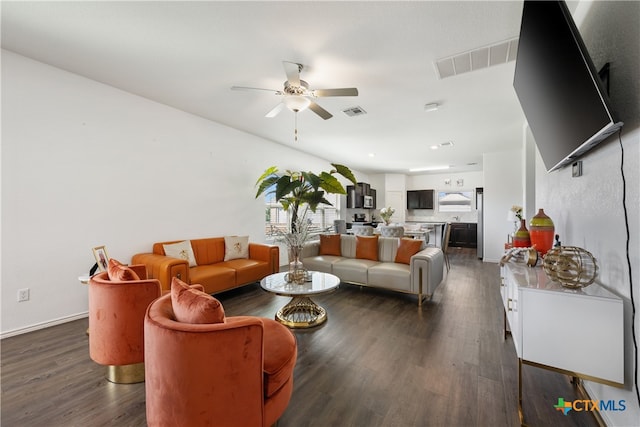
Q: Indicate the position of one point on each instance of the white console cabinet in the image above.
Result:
(578, 332)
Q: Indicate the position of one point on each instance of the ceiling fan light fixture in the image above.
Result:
(296, 103)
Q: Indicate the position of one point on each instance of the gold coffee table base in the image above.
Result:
(301, 312)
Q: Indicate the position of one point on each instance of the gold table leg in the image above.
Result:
(301, 312)
(520, 410)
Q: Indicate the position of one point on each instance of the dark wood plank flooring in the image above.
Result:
(378, 361)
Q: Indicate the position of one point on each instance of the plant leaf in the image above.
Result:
(270, 171)
(345, 171)
(285, 186)
(330, 184)
(312, 179)
(266, 184)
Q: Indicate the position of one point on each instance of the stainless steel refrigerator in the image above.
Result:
(480, 209)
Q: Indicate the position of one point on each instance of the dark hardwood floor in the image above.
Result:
(378, 361)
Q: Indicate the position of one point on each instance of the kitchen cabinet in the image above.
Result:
(420, 199)
(356, 194)
(577, 332)
(464, 235)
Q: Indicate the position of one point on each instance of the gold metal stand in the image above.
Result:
(576, 380)
(301, 312)
(126, 374)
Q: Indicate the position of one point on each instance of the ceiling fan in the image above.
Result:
(296, 93)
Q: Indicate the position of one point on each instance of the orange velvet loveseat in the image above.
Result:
(209, 268)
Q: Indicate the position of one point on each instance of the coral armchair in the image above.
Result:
(235, 372)
(116, 320)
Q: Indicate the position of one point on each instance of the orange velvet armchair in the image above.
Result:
(236, 372)
(116, 321)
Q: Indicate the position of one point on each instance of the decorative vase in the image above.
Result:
(296, 273)
(521, 237)
(542, 232)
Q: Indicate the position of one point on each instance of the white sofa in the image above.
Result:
(421, 277)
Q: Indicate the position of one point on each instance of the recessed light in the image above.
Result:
(429, 168)
(372, 154)
(431, 107)
(434, 147)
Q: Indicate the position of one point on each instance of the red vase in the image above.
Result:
(521, 237)
(542, 232)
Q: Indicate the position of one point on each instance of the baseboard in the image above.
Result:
(43, 325)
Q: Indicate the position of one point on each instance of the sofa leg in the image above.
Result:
(125, 374)
(420, 288)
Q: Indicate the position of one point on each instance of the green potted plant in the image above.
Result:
(295, 188)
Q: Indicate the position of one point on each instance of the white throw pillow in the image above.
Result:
(181, 250)
(236, 247)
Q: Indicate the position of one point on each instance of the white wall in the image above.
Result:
(502, 189)
(84, 164)
(588, 211)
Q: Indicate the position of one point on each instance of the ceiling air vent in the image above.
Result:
(483, 57)
(354, 111)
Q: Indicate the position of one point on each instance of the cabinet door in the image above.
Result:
(426, 199)
(464, 235)
(413, 199)
(512, 308)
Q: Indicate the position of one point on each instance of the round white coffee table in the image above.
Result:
(301, 311)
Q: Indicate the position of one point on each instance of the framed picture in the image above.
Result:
(102, 259)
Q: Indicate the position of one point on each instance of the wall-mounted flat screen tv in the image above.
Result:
(558, 87)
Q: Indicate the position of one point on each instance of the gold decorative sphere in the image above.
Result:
(573, 267)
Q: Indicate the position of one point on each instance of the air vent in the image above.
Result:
(483, 57)
(354, 111)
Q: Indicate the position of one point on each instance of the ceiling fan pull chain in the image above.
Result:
(295, 133)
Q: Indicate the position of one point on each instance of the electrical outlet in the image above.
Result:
(23, 294)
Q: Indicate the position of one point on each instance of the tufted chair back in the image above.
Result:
(363, 230)
(392, 231)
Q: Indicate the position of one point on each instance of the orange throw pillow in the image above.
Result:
(367, 247)
(407, 249)
(191, 305)
(119, 272)
(330, 244)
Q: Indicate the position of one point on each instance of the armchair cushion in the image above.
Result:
(406, 249)
(191, 305)
(181, 250)
(236, 247)
(330, 244)
(367, 247)
(119, 272)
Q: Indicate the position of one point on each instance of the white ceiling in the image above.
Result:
(188, 55)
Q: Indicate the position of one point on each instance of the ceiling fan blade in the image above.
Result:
(293, 72)
(275, 111)
(345, 91)
(277, 92)
(320, 111)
